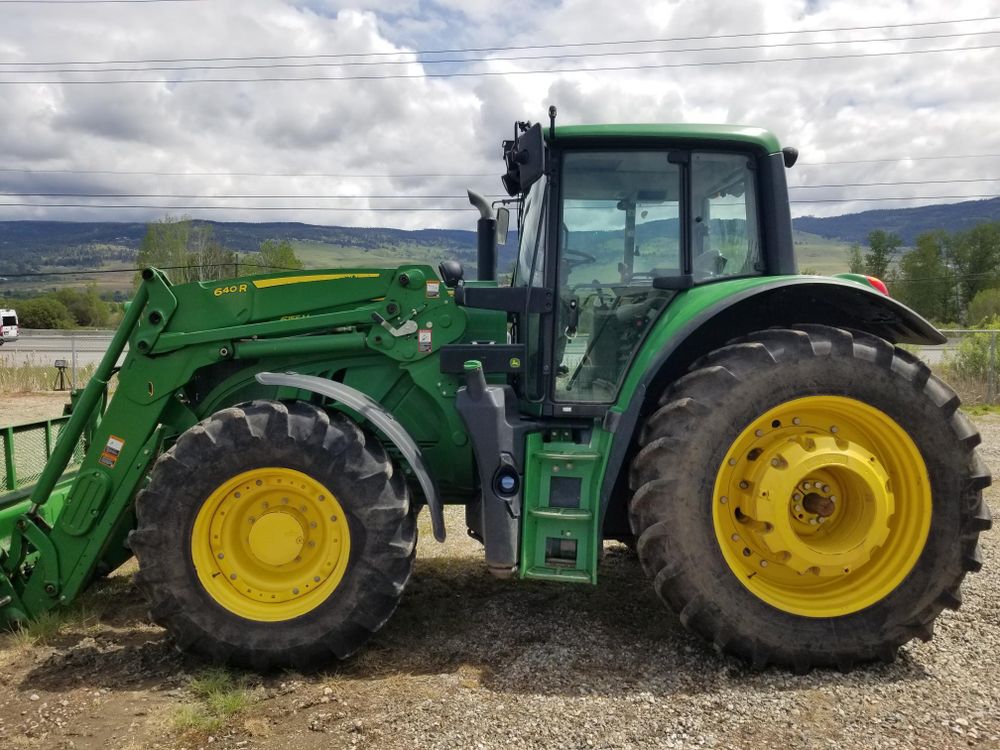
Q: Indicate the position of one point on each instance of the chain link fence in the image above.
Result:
(968, 362)
(24, 450)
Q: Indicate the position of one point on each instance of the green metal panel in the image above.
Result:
(736, 134)
(562, 487)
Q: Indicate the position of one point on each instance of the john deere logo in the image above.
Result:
(515, 363)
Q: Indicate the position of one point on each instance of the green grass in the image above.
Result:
(220, 696)
(47, 626)
(825, 256)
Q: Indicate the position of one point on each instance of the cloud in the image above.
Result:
(834, 110)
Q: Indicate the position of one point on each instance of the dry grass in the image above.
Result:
(32, 375)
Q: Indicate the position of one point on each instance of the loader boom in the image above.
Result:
(196, 348)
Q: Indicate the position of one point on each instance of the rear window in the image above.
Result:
(9, 320)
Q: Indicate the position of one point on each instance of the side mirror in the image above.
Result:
(525, 160)
(503, 224)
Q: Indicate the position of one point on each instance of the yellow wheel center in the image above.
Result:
(276, 538)
(822, 506)
(270, 544)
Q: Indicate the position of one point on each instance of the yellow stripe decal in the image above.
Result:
(285, 281)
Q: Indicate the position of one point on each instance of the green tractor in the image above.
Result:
(799, 490)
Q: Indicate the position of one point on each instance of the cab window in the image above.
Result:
(724, 231)
(620, 226)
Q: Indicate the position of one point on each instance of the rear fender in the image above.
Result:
(787, 301)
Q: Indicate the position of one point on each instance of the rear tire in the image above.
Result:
(330, 512)
(684, 480)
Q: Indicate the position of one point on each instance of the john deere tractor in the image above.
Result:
(799, 489)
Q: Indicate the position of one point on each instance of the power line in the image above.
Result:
(405, 175)
(239, 262)
(358, 209)
(494, 73)
(879, 200)
(409, 209)
(457, 50)
(893, 159)
(91, 2)
(887, 184)
(199, 196)
(421, 196)
(339, 175)
(468, 60)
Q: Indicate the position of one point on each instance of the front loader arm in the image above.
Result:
(188, 346)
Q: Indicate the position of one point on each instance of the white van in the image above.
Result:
(8, 326)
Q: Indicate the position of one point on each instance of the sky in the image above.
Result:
(409, 100)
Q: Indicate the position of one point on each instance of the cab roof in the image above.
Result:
(736, 134)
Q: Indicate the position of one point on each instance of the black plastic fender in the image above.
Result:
(382, 419)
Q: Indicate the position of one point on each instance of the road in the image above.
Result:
(44, 347)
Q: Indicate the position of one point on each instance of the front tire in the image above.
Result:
(809, 497)
(274, 535)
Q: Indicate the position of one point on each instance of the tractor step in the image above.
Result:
(560, 531)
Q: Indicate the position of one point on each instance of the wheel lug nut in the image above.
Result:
(834, 429)
(813, 521)
(763, 563)
(797, 496)
(723, 499)
(796, 420)
(744, 484)
(821, 520)
(798, 508)
(826, 488)
(833, 498)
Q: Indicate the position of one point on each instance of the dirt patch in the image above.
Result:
(470, 661)
(16, 408)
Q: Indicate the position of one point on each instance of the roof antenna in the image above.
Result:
(552, 122)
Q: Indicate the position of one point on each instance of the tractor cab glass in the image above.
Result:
(624, 219)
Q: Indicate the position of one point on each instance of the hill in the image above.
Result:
(908, 223)
(821, 243)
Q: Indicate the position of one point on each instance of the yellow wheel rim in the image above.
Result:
(822, 506)
(270, 544)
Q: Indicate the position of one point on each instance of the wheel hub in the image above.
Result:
(801, 530)
(822, 506)
(276, 538)
(270, 544)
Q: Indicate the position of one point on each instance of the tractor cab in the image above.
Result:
(614, 224)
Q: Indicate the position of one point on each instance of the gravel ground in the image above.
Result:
(469, 661)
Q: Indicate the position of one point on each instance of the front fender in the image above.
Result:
(382, 419)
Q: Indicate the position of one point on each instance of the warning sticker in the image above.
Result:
(113, 448)
(424, 340)
(433, 289)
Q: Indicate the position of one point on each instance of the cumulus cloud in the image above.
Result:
(445, 131)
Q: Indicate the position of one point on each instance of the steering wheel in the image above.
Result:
(576, 258)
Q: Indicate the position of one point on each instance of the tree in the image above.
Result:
(985, 306)
(188, 251)
(882, 246)
(44, 312)
(86, 306)
(165, 246)
(277, 256)
(927, 281)
(856, 262)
